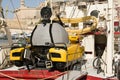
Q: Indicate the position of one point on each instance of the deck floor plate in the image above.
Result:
(72, 75)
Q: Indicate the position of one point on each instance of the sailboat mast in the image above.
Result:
(5, 25)
(110, 39)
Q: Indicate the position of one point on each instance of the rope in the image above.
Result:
(72, 12)
(9, 76)
(16, 14)
(5, 55)
(88, 9)
(18, 19)
(54, 75)
(6, 10)
(3, 61)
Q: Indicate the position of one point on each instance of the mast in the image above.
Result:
(4, 24)
(110, 39)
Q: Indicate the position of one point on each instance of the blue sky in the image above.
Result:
(6, 4)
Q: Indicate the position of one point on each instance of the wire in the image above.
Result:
(8, 76)
(3, 60)
(18, 20)
(72, 12)
(6, 10)
(16, 14)
(88, 9)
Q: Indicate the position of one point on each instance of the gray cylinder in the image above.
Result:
(41, 34)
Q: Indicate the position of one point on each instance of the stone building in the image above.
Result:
(25, 17)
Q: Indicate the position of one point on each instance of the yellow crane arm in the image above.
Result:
(82, 19)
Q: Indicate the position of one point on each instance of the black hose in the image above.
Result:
(61, 23)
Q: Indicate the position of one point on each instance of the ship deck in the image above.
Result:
(87, 72)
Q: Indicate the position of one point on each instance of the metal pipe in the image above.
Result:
(110, 39)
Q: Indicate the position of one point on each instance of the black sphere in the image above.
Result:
(46, 12)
